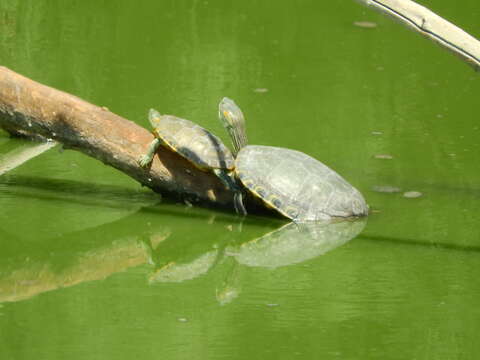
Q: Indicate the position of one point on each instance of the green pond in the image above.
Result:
(93, 266)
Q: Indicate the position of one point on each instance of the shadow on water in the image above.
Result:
(75, 191)
(91, 194)
(414, 242)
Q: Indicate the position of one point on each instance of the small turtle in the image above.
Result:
(291, 182)
(196, 144)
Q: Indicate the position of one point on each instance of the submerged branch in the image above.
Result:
(35, 110)
(21, 155)
(429, 24)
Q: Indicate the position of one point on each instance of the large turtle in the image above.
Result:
(289, 181)
(196, 144)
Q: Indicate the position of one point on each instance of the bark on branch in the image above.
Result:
(30, 108)
(429, 24)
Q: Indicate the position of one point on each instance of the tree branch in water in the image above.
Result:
(429, 24)
(31, 109)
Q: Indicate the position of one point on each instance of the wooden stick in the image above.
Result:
(32, 109)
(429, 24)
(21, 155)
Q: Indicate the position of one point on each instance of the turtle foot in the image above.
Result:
(238, 203)
(144, 161)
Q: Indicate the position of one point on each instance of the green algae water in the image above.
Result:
(93, 266)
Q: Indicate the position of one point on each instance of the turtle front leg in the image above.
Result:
(229, 183)
(145, 160)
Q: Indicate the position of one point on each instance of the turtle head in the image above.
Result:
(234, 122)
(154, 117)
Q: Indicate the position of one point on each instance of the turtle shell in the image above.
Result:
(297, 185)
(194, 143)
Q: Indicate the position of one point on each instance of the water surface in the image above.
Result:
(94, 266)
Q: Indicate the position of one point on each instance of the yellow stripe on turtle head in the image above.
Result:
(154, 117)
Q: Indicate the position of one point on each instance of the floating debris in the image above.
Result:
(386, 189)
(260, 90)
(182, 320)
(412, 194)
(365, 24)
(271, 305)
(383, 156)
(377, 133)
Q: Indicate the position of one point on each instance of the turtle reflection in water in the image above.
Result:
(296, 185)
(196, 144)
(291, 244)
(295, 243)
(288, 245)
(174, 272)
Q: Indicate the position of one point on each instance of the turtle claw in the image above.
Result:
(144, 161)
